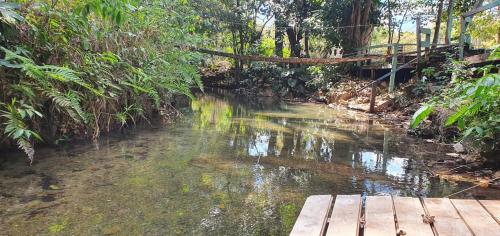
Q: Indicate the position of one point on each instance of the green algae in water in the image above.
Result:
(206, 180)
(288, 213)
(59, 226)
(140, 181)
(185, 188)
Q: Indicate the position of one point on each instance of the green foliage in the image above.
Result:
(420, 115)
(266, 47)
(112, 10)
(129, 113)
(429, 71)
(15, 115)
(495, 54)
(45, 79)
(323, 77)
(483, 29)
(8, 13)
(476, 106)
(93, 65)
(474, 103)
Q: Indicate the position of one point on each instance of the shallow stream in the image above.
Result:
(229, 166)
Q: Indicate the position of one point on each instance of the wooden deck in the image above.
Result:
(391, 216)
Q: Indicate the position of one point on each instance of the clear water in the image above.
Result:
(230, 166)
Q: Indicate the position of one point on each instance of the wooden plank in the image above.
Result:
(493, 207)
(289, 60)
(345, 216)
(394, 67)
(313, 216)
(379, 216)
(447, 221)
(409, 213)
(419, 47)
(482, 8)
(476, 217)
(425, 30)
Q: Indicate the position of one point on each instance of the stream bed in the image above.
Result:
(229, 166)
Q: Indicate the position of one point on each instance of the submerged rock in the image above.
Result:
(54, 187)
(126, 156)
(111, 230)
(459, 148)
(460, 161)
(453, 154)
(47, 181)
(486, 172)
(77, 169)
(48, 198)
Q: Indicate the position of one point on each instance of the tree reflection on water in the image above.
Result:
(232, 166)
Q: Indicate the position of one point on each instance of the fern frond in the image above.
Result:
(39, 73)
(27, 147)
(69, 102)
(14, 114)
(65, 75)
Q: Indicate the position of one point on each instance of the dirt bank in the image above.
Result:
(463, 161)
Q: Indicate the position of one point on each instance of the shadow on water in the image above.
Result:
(231, 166)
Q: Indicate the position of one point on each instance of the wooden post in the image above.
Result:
(449, 24)
(373, 95)
(358, 64)
(427, 45)
(403, 59)
(392, 80)
(359, 55)
(463, 29)
(419, 47)
(461, 39)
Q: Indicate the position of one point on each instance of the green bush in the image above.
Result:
(88, 66)
(473, 102)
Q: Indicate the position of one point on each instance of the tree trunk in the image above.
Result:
(240, 30)
(355, 20)
(451, 4)
(390, 35)
(365, 28)
(438, 24)
(498, 33)
(400, 28)
(294, 39)
(360, 17)
(278, 37)
(366, 12)
(235, 51)
(306, 44)
(302, 33)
